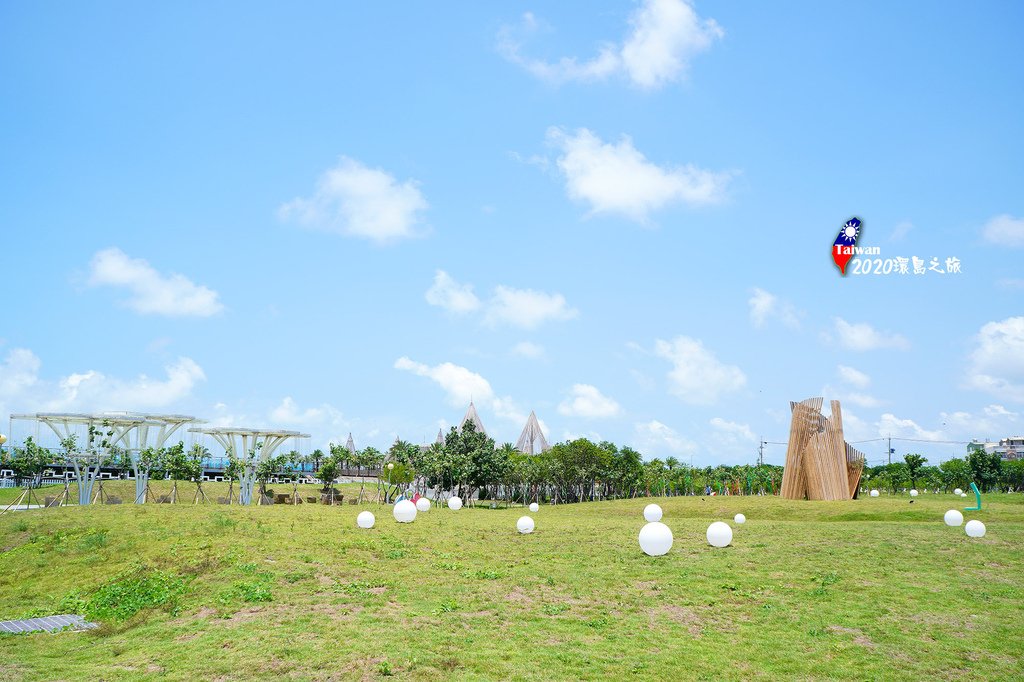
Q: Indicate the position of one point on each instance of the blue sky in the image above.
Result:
(341, 218)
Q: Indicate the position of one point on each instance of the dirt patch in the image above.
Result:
(377, 590)
(683, 615)
(859, 638)
(648, 587)
(518, 596)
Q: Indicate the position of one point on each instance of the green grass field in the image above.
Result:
(868, 589)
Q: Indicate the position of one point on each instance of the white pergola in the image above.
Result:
(153, 432)
(103, 432)
(251, 446)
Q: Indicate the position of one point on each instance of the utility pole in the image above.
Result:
(760, 452)
(890, 448)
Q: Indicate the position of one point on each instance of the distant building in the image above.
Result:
(1009, 449)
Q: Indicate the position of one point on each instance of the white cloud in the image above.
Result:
(733, 429)
(460, 384)
(890, 424)
(528, 349)
(664, 36)
(289, 414)
(19, 372)
(697, 376)
(522, 308)
(765, 305)
(863, 337)
(588, 402)
(355, 200)
(900, 232)
(996, 364)
(1011, 283)
(853, 376)
(448, 294)
(655, 439)
(618, 179)
(526, 308)
(152, 293)
(1004, 230)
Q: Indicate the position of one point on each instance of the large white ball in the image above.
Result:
(874, 493)
(366, 519)
(958, 492)
(534, 507)
(652, 513)
(975, 528)
(719, 534)
(405, 512)
(423, 504)
(524, 524)
(655, 538)
(455, 503)
(913, 493)
(740, 518)
(953, 517)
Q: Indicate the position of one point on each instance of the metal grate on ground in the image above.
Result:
(47, 624)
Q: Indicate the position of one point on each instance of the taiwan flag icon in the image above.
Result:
(844, 247)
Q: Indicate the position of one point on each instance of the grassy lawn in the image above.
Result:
(869, 589)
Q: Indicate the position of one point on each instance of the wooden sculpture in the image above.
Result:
(820, 465)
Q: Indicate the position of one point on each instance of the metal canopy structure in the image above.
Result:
(472, 416)
(154, 432)
(102, 432)
(251, 446)
(532, 438)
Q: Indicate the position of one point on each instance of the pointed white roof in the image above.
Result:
(532, 435)
(350, 445)
(472, 416)
(440, 437)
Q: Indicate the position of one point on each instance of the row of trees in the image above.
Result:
(988, 470)
(468, 464)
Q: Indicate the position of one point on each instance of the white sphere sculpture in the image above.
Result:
(958, 492)
(719, 534)
(975, 528)
(953, 517)
(652, 513)
(963, 494)
(524, 525)
(423, 504)
(655, 538)
(874, 493)
(405, 512)
(455, 503)
(913, 492)
(740, 518)
(534, 507)
(366, 519)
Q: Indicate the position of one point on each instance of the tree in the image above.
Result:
(986, 468)
(914, 463)
(955, 473)
(26, 462)
(328, 472)
(316, 457)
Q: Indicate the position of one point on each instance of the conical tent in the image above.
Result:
(440, 437)
(532, 435)
(472, 416)
(350, 444)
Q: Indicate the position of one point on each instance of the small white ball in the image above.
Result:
(953, 517)
(423, 504)
(455, 503)
(405, 512)
(366, 519)
(740, 518)
(524, 525)
(874, 493)
(963, 494)
(975, 528)
(913, 492)
(652, 513)
(655, 539)
(719, 534)
(958, 492)
(534, 507)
